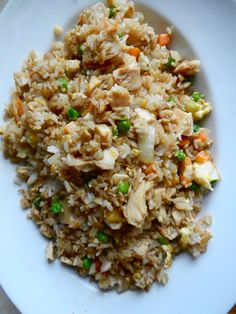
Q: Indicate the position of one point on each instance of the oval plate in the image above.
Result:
(206, 285)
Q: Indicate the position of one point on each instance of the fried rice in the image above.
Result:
(103, 127)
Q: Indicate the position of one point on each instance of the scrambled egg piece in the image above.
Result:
(185, 234)
(168, 260)
(198, 109)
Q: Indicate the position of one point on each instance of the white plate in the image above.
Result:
(207, 285)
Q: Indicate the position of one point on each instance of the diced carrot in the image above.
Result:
(185, 181)
(150, 169)
(183, 164)
(66, 130)
(134, 52)
(184, 142)
(98, 264)
(187, 161)
(202, 156)
(163, 39)
(19, 106)
(202, 136)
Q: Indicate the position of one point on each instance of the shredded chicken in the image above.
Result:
(103, 134)
(141, 247)
(136, 209)
(182, 122)
(109, 157)
(79, 164)
(49, 251)
(187, 67)
(119, 96)
(129, 77)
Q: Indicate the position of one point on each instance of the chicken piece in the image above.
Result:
(182, 122)
(78, 163)
(128, 77)
(136, 209)
(182, 203)
(93, 83)
(109, 157)
(205, 173)
(103, 134)
(65, 217)
(187, 67)
(72, 66)
(78, 98)
(58, 103)
(22, 79)
(49, 251)
(141, 248)
(70, 128)
(119, 96)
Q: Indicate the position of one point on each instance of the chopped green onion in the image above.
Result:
(37, 203)
(196, 127)
(102, 237)
(112, 12)
(73, 114)
(119, 34)
(115, 131)
(197, 96)
(180, 155)
(194, 187)
(123, 126)
(163, 241)
(87, 262)
(123, 187)
(169, 62)
(213, 183)
(63, 85)
(80, 50)
(190, 79)
(171, 98)
(56, 207)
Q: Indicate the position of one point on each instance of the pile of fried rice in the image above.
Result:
(104, 129)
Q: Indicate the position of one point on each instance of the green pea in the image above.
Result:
(196, 128)
(181, 155)
(102, 237)
(56, 207)
(123, 187)
(163, 241)
(197, 96)
(87, 262)
(123, 126)
(37, 203)
(63, 85)
(73, 114)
